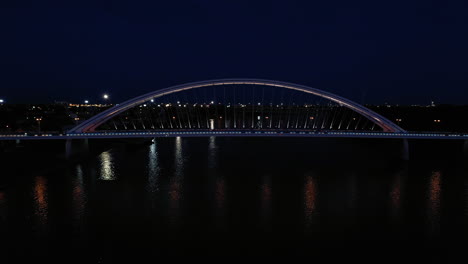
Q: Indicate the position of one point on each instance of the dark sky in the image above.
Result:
(373, 52)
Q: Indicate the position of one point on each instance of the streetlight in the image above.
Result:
(86, 101)
(2, 101)
(38, 119)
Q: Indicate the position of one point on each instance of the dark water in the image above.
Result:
(213, 198)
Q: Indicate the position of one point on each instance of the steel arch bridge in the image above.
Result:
(90, 125)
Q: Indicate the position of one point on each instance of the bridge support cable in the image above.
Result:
(336, 115)
(225, 108)
(114, 124)
(357, 123)
(235, 109)
(253, 108)
(289, 110)
(262, 117)
(180, 107)
(197, 113)
(271, 107)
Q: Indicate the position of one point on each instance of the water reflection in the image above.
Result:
(353, 191)
(266, 199)
(220, 193)
(107, 166)
(434, 201)
(79, 197)
(153, 173)
(212, 153)
(232, 199)
(395, 195)
(220, 187)
(176, 183)
(310, 194)
(41, 206)
(3, 211)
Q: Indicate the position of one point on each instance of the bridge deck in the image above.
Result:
(153, 134)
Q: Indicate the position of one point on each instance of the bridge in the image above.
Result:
(237, 133)
(237, 108)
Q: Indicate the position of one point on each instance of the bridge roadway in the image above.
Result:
(235, 133)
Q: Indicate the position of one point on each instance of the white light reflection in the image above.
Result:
(153, 172)
(107, 167)
(176, 184)
(212, 151)
(79, 197)
(220, 221)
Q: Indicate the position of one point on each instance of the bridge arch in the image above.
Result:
(92, 123)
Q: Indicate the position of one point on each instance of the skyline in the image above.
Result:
(372, 53)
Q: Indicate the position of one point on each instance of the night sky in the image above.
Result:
(408, 52)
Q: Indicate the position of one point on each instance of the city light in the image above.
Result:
(86, 102)
(1, 101)
(105, 96)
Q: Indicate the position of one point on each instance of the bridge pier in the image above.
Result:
(70, 150)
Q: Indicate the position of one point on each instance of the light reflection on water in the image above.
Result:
(219, 185)
(79, 197)
(212, 153)
(310, 196)
(153, 171)
(176, 183)
(434, 190)
(208, 187)
(396, 195)
(41, 205)
(266, 193)
(107, 166)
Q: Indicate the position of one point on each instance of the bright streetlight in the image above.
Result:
(1, 101)
(38, 119)
(105, 96)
